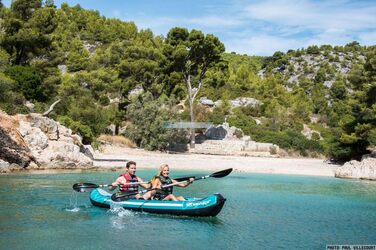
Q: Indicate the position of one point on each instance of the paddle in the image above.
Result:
(85, 187)
(219, 174)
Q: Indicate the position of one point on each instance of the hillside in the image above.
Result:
(318, 100)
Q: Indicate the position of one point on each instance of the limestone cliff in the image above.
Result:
(35, 138)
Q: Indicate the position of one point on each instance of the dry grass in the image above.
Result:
(117, 140)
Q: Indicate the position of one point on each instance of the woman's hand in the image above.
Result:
(191, 180)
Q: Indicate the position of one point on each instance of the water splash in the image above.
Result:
(118, 210)
(74, 210)
(122, 218)
(73, 203)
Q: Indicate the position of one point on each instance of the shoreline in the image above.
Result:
(204, 162)
(116, 161)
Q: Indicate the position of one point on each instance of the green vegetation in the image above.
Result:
(94, 64)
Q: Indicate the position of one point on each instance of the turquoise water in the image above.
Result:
(261, 212)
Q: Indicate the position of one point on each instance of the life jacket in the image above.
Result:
(166, 181)
(129, 187)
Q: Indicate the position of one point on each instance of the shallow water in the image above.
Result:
(262, 211)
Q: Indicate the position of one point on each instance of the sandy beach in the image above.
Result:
(116, 157)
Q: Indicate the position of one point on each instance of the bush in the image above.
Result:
(148, 118)
(79, 128)
(29, 82)
(286, 139)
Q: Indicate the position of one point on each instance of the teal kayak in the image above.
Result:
(197, 207)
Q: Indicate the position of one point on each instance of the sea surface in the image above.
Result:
(40, 211)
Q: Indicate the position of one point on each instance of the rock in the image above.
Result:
(45, 124)
(33, 137)
(88, 151)
(245, 101)
(4, 166)
(207, 102)
(30, 106)
(136, 91)
(13, 147)
(63, 155)
(365, 169)
(308, 132)
(63, 68)
(223, 131)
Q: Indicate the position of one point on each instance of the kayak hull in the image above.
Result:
(209, 206)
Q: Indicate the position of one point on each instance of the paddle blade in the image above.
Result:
(221, 173)
(84, 187)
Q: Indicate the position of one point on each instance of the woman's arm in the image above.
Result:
(185, 183)
(157, 183)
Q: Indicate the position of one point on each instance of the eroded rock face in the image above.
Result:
(13, 148)
(24, 138)
(364, 169)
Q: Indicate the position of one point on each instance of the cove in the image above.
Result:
(40, 211)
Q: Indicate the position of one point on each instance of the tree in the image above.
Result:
(24, 9)
(193, 54)
(357, 126)
(27, 28)
(29, 82)
(49, 3)
(148, 118)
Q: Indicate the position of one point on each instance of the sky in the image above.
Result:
(253, 27)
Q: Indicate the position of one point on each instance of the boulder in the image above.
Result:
(364, 169)
(223, 131)
(207, 102)
(245, 101)
(33, 137)
(63, 155)
(13, 148)
(4, 166)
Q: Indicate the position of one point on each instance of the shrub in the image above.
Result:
(79, 128)
(148, 118)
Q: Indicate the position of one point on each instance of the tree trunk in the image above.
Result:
(116, 132)
(193, 133)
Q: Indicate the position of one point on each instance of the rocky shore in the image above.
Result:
(36, 142)
(364, 169)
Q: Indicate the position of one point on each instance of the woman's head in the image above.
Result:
(131, 167)
(163, 170)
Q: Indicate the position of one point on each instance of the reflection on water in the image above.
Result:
(262, 211)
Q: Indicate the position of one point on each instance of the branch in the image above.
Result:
(200, 81)
(51, 108)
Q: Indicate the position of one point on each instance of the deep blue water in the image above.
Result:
(41, 211)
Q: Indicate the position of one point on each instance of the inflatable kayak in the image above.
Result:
(209, 206)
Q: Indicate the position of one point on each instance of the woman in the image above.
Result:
(161, 179)
(125, 180)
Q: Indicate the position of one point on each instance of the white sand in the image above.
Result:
(151, 160)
